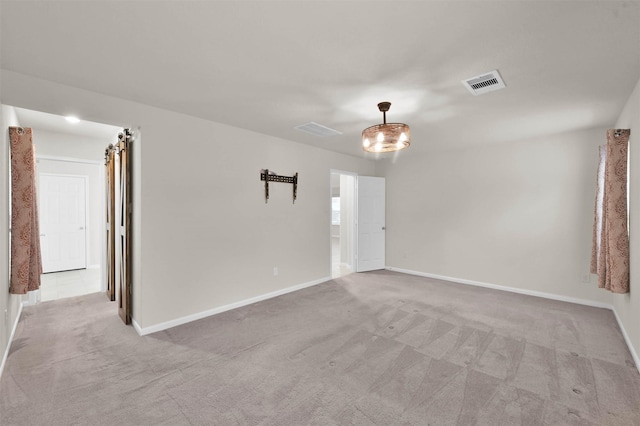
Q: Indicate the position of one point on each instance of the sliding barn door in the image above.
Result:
(110, 191)
(118, 230)
(123, 215)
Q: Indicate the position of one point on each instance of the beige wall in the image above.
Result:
(203, 235)
(627, 306)
(515, 214)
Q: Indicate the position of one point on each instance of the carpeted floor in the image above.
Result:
(379, 348)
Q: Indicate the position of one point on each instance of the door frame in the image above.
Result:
(109, 213)
(101, 207)
(354, 230)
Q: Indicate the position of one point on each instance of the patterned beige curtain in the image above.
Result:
(610, 250)
(26, 261)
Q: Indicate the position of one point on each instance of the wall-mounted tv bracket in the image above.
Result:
(267, 176)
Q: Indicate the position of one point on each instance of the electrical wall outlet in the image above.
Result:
(275, 271)
(586, 278)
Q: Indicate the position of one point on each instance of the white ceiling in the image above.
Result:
(55, 123)
(269, 66)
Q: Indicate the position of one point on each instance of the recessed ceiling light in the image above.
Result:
(72, 119)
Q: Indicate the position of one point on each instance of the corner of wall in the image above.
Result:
(10, 305)
(10, 339)
(627, 307)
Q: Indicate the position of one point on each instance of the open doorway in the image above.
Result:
(342, 231)
(72, 239)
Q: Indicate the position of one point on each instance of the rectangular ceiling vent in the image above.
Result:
(484, 83)
(317, 129)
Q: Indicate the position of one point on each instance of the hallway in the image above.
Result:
(60, 285)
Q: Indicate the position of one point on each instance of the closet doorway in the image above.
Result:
(67, 152)
(342, 228)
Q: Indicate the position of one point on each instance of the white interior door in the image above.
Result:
(62, 213)
(371, 223)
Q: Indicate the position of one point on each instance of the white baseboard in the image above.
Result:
(189, 318)
(13, 332)
(31, 298)
(137, 327)
(544, 295)
(634, 354)
(179, 321)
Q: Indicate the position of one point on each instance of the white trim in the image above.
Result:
(194, 317)
(354, 224)
(343, 172)
(13, 332)
(68, 159)
(634, 354)
(102, 226)
(544, 295)
(137, 327)
(505, 288)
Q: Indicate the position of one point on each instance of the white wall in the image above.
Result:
(627, 306)
(10, 304)
(70, 146)
(516, 214)
(203, 235)
(216, 242)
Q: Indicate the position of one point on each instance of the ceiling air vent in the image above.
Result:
(484, 83)
(317, 129)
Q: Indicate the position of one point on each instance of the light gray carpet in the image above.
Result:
(378, 348)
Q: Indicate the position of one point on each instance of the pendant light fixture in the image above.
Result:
(386, 137)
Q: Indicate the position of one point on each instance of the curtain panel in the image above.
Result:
(26, 261)
(610, 249)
